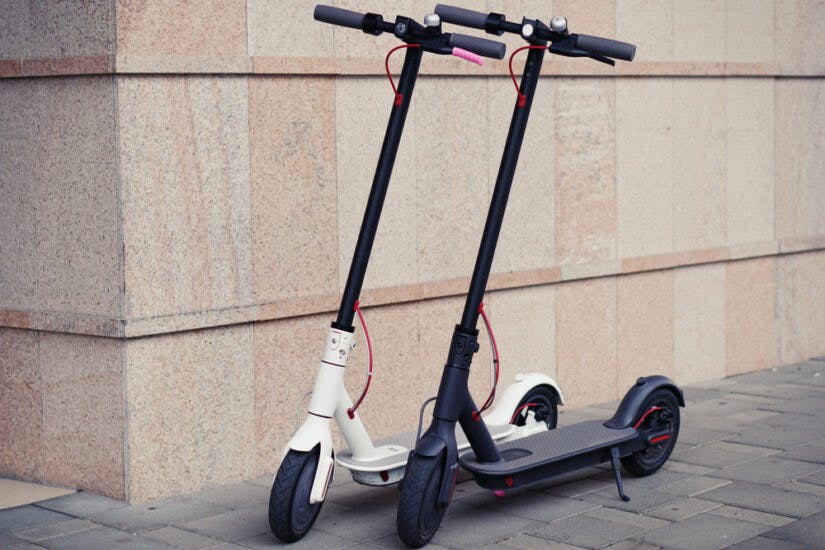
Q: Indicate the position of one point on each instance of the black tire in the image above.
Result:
(546, 408)
(419, 514)
(649, 460)
(290, 514)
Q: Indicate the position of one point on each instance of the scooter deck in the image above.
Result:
(546, 449)
(404, 443)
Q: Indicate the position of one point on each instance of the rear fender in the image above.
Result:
(635, 397)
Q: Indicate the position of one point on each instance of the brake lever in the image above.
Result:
(603, 59)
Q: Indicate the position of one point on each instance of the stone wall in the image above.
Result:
(182, 187)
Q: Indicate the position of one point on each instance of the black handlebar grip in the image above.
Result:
(461, 16)
(338, 16)
(606, 47)
(480, 46)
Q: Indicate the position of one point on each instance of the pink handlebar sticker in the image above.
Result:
(469, 56)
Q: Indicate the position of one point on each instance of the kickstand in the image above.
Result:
(614, 459)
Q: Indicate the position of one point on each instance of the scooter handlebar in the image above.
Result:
(480, 46)
(461, 16)
(338, 16)
(606, 47)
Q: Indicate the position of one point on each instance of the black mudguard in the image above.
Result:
(636, 396)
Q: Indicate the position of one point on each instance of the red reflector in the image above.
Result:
(659, 439)
(385, 476)
(508, 481)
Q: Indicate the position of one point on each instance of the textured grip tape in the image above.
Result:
(338, 16)
(480, 46)
(606, 47)
(461, 16)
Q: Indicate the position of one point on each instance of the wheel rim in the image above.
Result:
(303, 513)
(543, 405)
(662, 419)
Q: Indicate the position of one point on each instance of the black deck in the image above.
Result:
(549, 447)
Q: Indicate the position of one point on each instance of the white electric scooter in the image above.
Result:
(528, 406)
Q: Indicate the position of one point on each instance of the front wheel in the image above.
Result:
(658, 414)
(290, 513)
(419, 513)
(543, 402)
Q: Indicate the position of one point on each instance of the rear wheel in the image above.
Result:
(543, 402)
(419, 513)
(290, 513)
(658, 415)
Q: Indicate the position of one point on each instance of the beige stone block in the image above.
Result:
(360, 135)
(699, 31)
(644, 329)
(800, 316)
(524, 324)
(21, 431)
(644, 167)
(593, 17)
(799, 39)
(698, 164)
(585, 170)
(799, 193)
(749, 154)
(699, 323)
(286, 28)
(586, 341)
(527, 234)
(14, 29)
(649, 25)
(184, 172)
(749, 30)
(292, 165)
(750, 310)
(287, 353)
(17, 209)
(191, 411)
(74, 177)
(208, 33)
(83, 412)
(452, 184)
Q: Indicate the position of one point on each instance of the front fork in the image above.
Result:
(455, 404)
(330, 400)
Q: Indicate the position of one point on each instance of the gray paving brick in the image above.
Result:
(693, 433)
(355, 495)
(26, 517)
(631, 544)
(779, 437)
(810, 531)
(7, 540)
(238, 495)
(685, 468)
(765, 498)
(807, 453)
(734, 512)
(471, 526)
(694, 485)
(148, 517)
(817, 478)
(58, 528)
(579, 487)
(231, 526)
(315, 539)
(703, 532)
(819, 358)
(720, 454)
(530, 505)
(81, 504)
(104, 537)
(264, 480)
(640, 499)
(597, 528)
(359, 525)
(24, 546)
(181, 539)
(769, 470)
(762, 543)
(679, 510)
(529, 542)
(804, 488)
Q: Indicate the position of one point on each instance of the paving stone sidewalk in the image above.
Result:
(748, 472)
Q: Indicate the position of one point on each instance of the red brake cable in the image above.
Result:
(399, 98)
(496, 364)
(522, 99)
(351, 410)
(515, 414)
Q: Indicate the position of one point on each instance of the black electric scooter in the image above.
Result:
(642, 432)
